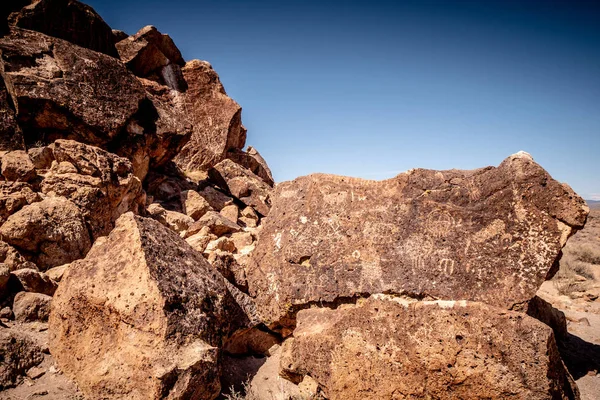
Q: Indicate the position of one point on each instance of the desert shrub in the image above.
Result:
(573, 275)
(585, 252)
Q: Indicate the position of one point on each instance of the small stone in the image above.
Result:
(230, 212)
(217, 200)
(17, 166)
(35, 281)
(218, 224)
(31, 307)
(57, 273)
(193, 204)
(35, 373)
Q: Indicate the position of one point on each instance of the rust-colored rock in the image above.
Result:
(216, 223)
(216, 119)
(100, 183)
(70, 20)
(242, 184)
(193, 204)
(142, 317)
(14, 196)
(31, 307)
(17, 166)
(489, 235)
(53, 232)
(252, 160)
(34, 281)
(19, 353)
(11, 137)
(393, 349)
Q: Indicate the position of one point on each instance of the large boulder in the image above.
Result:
(19, 353)
(70, 20)
(100, 183)
(490, 235)
(17, 166)
(242, 184)
(53, 232)
(31, 306)
(142, 317)
(217, 119)
(396, 349)
(252, 160)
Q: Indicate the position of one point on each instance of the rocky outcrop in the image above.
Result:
(253, 161)
(215, 116)
(70, 20)
(142, 317)
(489, 235)
(390, 348)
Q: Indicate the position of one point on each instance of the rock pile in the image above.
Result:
(169, 265)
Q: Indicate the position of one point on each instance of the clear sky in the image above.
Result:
(373, 88)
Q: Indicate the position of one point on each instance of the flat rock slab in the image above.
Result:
(490, 235)
(386, 348)
(142, 317)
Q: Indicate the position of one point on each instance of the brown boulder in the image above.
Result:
(242, 184)
(252, 160)
(64, 91)
(17, 166)
(216, 119)
(216, 223)
(11, 137)
(175, 221)
(10, 257)
(70, 20)
(31, 307)
(34, 281)
(489, 235)
(19, 353)
(193, 204)
(53, 231)
(216, 199)
(389, 348)
(100, 183)
(41, 157)
(4, 278)
(14, 196)
(142, 317)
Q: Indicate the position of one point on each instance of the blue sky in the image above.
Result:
(374, 88)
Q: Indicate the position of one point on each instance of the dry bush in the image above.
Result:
(248, 393)
(586, 252)
(575, 273)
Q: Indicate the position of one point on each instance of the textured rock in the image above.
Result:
(173, 220)
(69, 20)
(65, 91)
(142, 317)
(216, 223)
(100, 183)
(56, 273)
(53, 231)
(35, 281)
(489, 235)
(216, 199)
(31, 307)
(193, 204)
(10, 257)
(216, 119)
(543, 311)
(17, 166)
(252, 160)
(11, 137)
(41, 157)
(230, 212)
(387, 348)
(249, 217)
(14, 196)
(4, 277)
(242, 184)
(19, 353)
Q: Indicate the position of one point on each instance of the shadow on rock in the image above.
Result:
(579, 356)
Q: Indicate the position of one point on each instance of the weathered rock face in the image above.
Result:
(19, 353)
(100, 183)
(387, 349)
(53, 232)
(85, 95)
(216, 119)
(142, 316)
(252, 160)
(17, 166)
(242, 184)
(69, 20)
(11, 137)
(14, 196)
(31, 306)
(489, 235)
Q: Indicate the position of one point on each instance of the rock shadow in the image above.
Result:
(579, 356)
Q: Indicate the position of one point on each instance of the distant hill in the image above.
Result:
(594, 204)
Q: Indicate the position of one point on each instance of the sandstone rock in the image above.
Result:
(19, 353)
(216, 199)
(142, 317)
(218, 224)
(249, 217)
(35, 281)
(173, 220)
(216, 119)
(387, 348)
(489, 235)
(70, 20)
(200, 240)
(13, 196)
(64, 91)
(222, 243)
(6, 313)
(230, 212)
(242, 239)
(252, 160)
(11, 137)
(56, 273)
(17, 166)
(31, 307)
(11, 258)
(193, 204)
(53, 231)
(41, 157)
(100, 183)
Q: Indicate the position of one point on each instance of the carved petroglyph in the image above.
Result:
(439, 223)
(418, 249)
(447, 266)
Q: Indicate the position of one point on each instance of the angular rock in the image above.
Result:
(217, 224)
(173, 220)
(489, 235)
(193, 204)
(41, 157)
(142, 317)
(35, 281)
(64, 91)
(230, 212)
(216, 199)
(53, 231)
(11, 137)
(118, 35)
(252, 160)
(167, 186)
(11, 258)
(14, 196)
(242, 184)
(19, 353)
(200, 240)
(100, 183)
(56, 273)
(70, 20)
(249, 217)
(31, 307)
(543, 311)
(216, 119)
(389, 348)
(225, 262)
(17, 166)
(4, 277)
